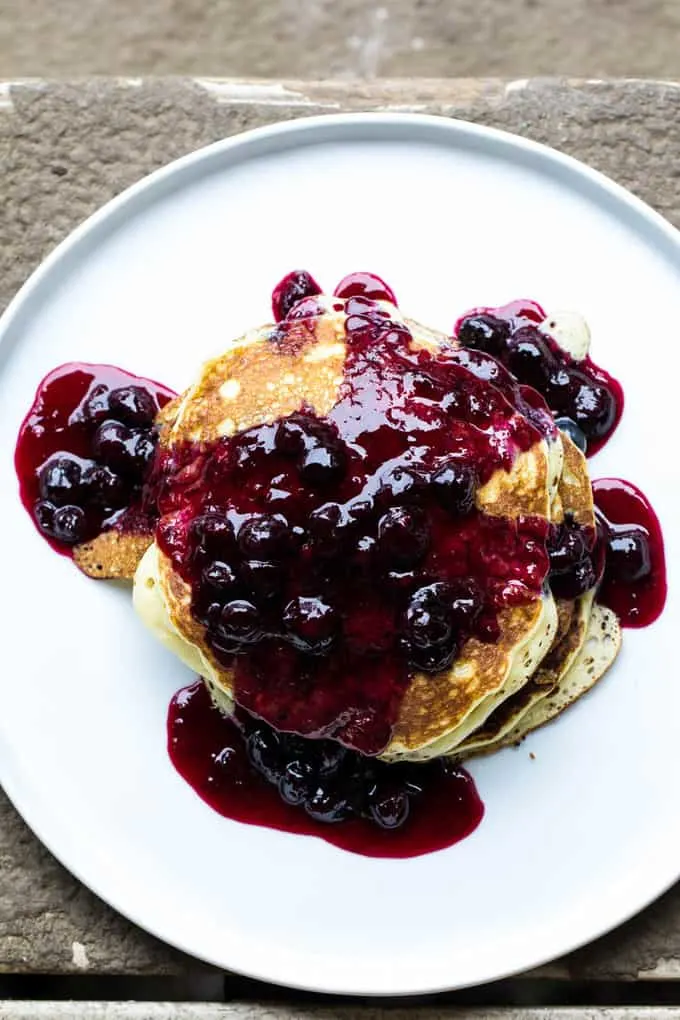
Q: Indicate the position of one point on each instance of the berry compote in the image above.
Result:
(248, 772)
(330, 558)
(586, 400)
(85, 450)
(634, 582)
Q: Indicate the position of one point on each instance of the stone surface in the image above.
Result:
(264, 1011)
(341, 38)
(67, 148)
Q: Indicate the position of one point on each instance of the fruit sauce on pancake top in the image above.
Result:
(332, 558)
(379, 492)
(579, 393)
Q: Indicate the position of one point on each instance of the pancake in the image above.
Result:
(574, 498)
(544, 683)
(597, 653)
(254, 382)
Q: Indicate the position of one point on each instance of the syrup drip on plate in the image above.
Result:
(85, 450)
(249, 774)
(634, 583)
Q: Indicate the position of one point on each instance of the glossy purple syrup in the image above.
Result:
(293, 288)
(366, 285)
(634, 583)
(332, 557)
(209, 752)
(579, 391)
(84, 452)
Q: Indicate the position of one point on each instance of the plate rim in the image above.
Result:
(253, 143)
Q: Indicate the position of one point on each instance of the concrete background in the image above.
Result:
(343, 39)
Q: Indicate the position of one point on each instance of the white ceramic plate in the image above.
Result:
(574, 840)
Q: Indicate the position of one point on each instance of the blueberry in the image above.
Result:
(390, 809)
(297, 782)
(484, 332)
(428, 619)
(111, 445)
(95, 407)
(322, 465)
(571, 567)
(628, 554)
(104, 488)
(358, 513)
(264, 578)
(327, 806)
(43, 512)
(290, 437)
(59, 480)
(292, 288)
(264, 752)
(364, 557)
(403, 536)
(141, 448)
(329, 757)
(264, 536)
(70, 524)
(133, 405)
(239, 621)
(454, 486)
(310, 624)
(325, 526)
(558, 388)
(434, 658)
(429, 627)
(400, 484)
(574, 431)
(207, 609)
(529, 358)
(594, 408)
(566, 546)
(465, 601)
(219, 577)
(575, 581)
(213, 533)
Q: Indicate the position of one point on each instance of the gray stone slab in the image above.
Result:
(268, 1011)
(65, 149)
(345, 38)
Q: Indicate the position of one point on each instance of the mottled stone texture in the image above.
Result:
(67, 148)
(264, 1011)
(343, 38)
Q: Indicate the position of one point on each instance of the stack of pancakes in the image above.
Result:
(549, 652)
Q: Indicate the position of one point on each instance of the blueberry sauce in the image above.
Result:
(576, 558)
(249, 773)
(366, 285)
(332, 557)
(292, 289)
(634, 582)
(586, 399)
(84, 452)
